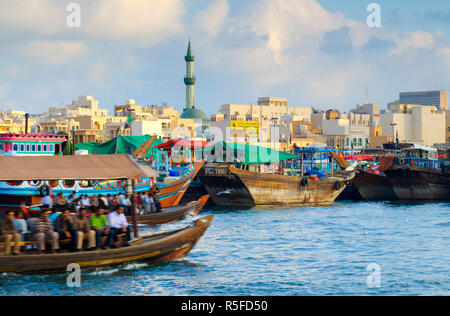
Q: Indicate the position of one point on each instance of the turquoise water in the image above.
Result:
(297, 251)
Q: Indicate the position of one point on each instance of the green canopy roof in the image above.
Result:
(243, 153)
(118, 145)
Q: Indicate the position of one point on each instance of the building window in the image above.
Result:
(33, 148)
(22, 148)
(16, 147)
(28, 147)
(39, 148)
(1, 146)
(45, 148)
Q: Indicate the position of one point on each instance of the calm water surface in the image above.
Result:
(296, 251)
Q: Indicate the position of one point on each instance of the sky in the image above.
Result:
(317, 53)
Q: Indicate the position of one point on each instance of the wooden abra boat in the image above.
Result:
(172, 214)
(153, 248)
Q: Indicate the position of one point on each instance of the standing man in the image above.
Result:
(8, 233)
(47, 201)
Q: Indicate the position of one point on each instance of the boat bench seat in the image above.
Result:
(31, 243)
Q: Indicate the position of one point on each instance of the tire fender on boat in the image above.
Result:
(44, 190)
(337, 185)
(304, 182)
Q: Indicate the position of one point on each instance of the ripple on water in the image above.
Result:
(292, 251)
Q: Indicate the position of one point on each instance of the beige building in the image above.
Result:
(371, 109)
(376, 138)
(447, 126)
(355, 128)
(86, 136)
(14, 121)
(270, 121)
(84, 106)
(414, 124)
(66, 126)
(267, 109)
(158, 126)
(142, 113)
(114, 129)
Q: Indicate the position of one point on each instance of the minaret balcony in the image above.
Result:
(190, 81)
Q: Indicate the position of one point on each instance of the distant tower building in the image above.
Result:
(190, 112)
(189, 80)
(437, 98)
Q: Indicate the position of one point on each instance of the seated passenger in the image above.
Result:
(34, 217)
(8, 233)
(99, 223)
(84, 232)
(54, 215)
(43, 230)
(86, 201)
(119, 224)
(64, 226)
(21, 225)
(61, 203)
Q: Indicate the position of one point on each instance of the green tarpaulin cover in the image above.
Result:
(118, 145)
(243, 153)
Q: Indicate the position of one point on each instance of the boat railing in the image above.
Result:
(417, 162)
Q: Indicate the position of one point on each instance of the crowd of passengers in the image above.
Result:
(98, 220)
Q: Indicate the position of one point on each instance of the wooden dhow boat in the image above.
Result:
(418, 174)
(276, 189)
(151, 249)
(373, 187)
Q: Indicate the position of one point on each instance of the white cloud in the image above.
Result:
(53, 52)
(412, 40)
(142, 21)
(269, 43)
(211, 19)
(43, 17)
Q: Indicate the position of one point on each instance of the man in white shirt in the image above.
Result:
(86, 201)
(119, 225)
(47, 200)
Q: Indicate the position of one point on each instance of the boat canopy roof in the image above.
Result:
(89, 167)
(244, 153)
(119, 145)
